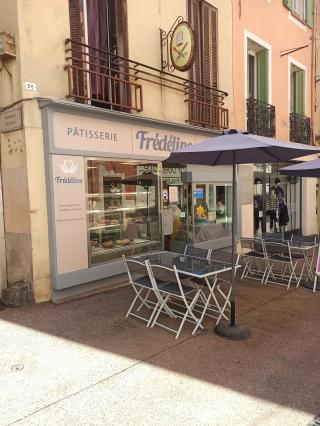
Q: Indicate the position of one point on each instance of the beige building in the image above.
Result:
(95, 118)
(94, 95)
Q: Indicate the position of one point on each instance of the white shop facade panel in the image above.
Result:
(109, 195)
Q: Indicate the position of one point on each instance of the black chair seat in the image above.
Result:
(173, 289)
(199, 281)
(143, 282)
(297, 256)
(254, 254)
(279, 258)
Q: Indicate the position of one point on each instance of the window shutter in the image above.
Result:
(309, 13)
(262, 76)
(299, 92)
(76, 34)
(194, 16)
(209, 45)
(288, 3)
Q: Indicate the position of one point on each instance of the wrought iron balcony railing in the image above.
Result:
(103, 79)
(300, 128)
(261, 118)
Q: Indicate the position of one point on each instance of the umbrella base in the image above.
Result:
(236, 332)
(310, 284)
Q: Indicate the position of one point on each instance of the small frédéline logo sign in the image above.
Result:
(68, 167)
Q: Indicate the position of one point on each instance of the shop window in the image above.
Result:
(277, 200)
(212, 210)
(123, 208)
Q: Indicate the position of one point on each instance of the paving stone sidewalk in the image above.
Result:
(83, 363)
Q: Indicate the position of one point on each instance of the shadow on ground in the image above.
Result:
(279, 364)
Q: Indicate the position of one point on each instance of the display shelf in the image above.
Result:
(111, 194)
(105, 226)
(121, 209)
(95, 251)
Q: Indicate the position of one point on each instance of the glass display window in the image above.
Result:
(277, 200)
(212, 203)
(123, 208)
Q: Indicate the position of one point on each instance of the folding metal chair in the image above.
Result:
(191, 250)
(139, 279)
(253, 256)
(223, 285)
(279, 254)
(200, 252)
(273, 236)
(171, 290)
(311, 243)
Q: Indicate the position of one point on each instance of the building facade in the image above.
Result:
(274, 62)
(95, 94)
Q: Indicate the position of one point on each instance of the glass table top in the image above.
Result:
(189, 265)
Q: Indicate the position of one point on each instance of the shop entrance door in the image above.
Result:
(277, 200)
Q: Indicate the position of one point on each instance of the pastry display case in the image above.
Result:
(123, 209)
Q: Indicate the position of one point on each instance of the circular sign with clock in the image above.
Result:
(182, 46)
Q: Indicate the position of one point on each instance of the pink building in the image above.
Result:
(273, 65)
(273, 75)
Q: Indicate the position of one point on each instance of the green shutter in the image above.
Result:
(262, 76)
(309, 12)
(299, 92)
(288, 3)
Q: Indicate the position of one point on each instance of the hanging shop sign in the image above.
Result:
(182, 46)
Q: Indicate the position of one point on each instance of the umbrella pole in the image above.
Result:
(223, 329)
(234, 248)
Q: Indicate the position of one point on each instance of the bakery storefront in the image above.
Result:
(108, 194)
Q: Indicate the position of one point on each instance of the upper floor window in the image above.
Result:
(297, 90)
(204, 20)
(299, 7)
(257, 72)
(98, 29)
(302, 9)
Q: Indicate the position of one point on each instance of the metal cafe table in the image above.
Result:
(202, 269)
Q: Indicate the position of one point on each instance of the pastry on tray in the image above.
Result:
(123, 242)
(107, 244)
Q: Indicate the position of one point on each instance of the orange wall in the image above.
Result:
(269, 20)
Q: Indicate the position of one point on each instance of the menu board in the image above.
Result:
(173, 194)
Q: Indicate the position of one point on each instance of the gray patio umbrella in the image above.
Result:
(305, 169)
(232, 148)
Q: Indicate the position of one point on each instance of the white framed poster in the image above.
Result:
(70, 213)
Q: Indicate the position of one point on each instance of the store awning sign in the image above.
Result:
(74, 132)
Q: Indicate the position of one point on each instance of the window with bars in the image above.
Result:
(98, 30)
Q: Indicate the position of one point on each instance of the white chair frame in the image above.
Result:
(251, 259)
(285, 262)
(164, 297)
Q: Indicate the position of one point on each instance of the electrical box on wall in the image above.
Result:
(7, 46)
